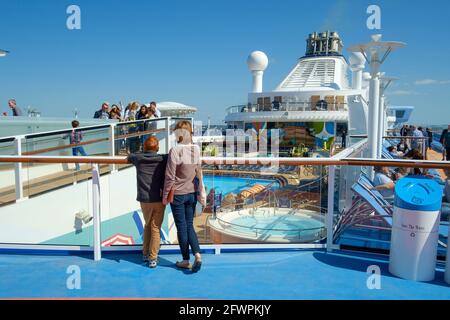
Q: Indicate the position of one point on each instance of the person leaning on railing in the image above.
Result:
(133, 143)
(17, 112)
(150, 173)
(103, 113)
(115, 113)
(184, 168)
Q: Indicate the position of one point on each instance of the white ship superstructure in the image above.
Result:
(316, 104)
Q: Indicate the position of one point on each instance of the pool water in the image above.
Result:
(279, 225)
(227, 184)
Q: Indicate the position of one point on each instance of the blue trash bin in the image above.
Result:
(415, 228)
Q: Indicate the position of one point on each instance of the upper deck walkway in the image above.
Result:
(245, 275)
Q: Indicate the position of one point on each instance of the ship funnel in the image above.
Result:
(323, 44)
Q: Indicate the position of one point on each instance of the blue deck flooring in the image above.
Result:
(245, 275)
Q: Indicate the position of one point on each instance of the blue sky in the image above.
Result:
(194, 52)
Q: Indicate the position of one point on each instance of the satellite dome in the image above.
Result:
(257, 61)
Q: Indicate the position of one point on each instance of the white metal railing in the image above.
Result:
(332, 163)
(287, 106)
(15, 144)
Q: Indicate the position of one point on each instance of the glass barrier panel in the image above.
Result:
(363, 219)
(245, 204)
(263, 204)
(39, 178)
(130, 136)
(121, 216)
(7, 147)
(7, 177)
(60, 217)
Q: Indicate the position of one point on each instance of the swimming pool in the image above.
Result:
(227, 184)
(269, 225)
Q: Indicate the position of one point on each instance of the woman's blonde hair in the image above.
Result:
(134, 105)
(183, 131)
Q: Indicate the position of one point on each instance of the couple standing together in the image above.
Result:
(174, 179)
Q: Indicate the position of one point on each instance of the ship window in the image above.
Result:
(400, 113)
(321, 105)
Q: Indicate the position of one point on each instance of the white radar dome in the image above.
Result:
(257, 61)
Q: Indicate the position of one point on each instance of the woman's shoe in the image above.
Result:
(197, 265)
(183, 265)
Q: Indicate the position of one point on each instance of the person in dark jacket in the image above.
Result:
(441, 140)
(17, 112)
(103, 113)
(430, 137)
(150, 173)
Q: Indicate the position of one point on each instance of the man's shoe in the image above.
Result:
(152, 263)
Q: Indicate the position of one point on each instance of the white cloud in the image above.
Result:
(425, 82)
(401, 93)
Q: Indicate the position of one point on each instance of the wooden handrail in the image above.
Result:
(73, 145)
(66, 146)
(243, 161)
(63, 159)
(404, 137)
(137, 134)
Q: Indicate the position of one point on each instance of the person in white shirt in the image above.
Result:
(383, 183)
(416, 143)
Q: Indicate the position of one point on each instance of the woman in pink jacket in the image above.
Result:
(183, 187)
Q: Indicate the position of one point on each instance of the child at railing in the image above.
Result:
(75, 138)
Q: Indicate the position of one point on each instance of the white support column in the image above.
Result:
(381, 133)
(168, 144)
(374, 102)
(330, 213)
(112, 144)
(18, 172)
(96, 205)
(424, 149)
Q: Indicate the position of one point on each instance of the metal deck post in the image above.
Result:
(112, 144)
(96, 205)
(330, 213)
(18, 172)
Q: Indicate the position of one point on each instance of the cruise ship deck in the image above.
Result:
(295, 274)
